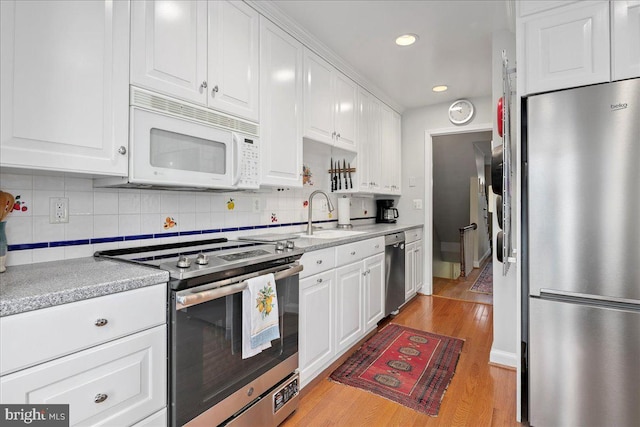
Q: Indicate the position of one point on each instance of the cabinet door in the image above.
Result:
(418, 266)
(169, 48)
(365, 99)
(349, 309)
(410, 270)
(625, 39)
(396, 170)
(374, 291)
(280, 106)
(375, 147)
(388, 142)
(318, 99)
(346, 95)
(567, 47)
(65, 85)
(316, 324)
(115, 384)
(233, 57)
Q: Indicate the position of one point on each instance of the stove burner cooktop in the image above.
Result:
(198, 258)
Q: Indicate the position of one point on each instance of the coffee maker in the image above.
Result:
(386, 212)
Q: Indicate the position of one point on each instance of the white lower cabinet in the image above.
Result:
(373, 291)
(105, 357)
(349, 305)
(118, 383)
(159, 419)
(316, 329)
(341, 300)
(413, 268)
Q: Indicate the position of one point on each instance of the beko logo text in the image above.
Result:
(615, 107)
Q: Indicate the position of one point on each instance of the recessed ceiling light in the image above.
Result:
(440, 88)
(406, 39)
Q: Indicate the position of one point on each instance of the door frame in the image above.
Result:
(429, 134)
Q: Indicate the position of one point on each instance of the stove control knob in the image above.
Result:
(290, 245)
(202, 259)
(184, 262)
(279, 246)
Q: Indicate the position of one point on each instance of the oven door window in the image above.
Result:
(171, 150)
(207, 364)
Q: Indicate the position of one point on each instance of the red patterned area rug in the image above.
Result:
(484, 282)
(408, 366)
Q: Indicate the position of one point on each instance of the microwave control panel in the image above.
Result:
(249, 163)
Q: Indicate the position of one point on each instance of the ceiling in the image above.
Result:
(454, 45)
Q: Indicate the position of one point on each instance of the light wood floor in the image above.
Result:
(479, 394)
(459, 288)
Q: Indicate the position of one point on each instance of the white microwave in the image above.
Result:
(174, 145)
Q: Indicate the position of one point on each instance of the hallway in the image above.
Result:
(479, 394)
(459, 288)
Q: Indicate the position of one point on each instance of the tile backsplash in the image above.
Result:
(101, 219)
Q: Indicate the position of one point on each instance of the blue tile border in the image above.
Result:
(113, 239)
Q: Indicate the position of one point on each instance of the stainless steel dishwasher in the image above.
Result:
(394, 271)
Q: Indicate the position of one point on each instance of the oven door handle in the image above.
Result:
(184, 301)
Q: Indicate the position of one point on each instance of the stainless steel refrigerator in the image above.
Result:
(581, 164)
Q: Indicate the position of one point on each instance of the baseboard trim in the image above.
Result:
(482, 258)
(503, 358)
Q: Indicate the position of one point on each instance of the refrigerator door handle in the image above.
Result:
(556, 294)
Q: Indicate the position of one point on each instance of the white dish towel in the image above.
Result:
(260, 323)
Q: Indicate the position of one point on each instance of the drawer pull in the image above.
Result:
(319, 261)
(353, 253)
(377, 246)
(100, 397)
(101, 322)
(319, 280)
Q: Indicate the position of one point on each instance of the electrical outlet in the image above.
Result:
(256, 205)
(417, 203)
(58, 210)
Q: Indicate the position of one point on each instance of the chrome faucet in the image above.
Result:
(329, 205)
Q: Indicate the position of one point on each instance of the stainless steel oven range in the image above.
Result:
(209, 381)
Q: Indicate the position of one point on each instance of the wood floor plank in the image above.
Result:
(480, 394)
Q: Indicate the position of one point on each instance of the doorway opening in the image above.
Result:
(457, 213)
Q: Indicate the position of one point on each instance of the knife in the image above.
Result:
(338, 175)
(344, 166)
(333, 187)
(350, 181)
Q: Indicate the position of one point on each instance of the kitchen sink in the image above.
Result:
(331, 234)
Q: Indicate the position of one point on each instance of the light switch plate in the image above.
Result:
(417, 203)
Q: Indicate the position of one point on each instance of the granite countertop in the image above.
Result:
(35, 286)
(370, 231)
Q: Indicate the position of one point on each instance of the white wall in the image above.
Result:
(505, 300)
(414, 124)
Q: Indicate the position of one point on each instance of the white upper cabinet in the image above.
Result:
(567, 46)
(329, 104)
(64, 82)
(233, 58)
(625, 39)
(280, 106)
(169, 48)
(202, 52)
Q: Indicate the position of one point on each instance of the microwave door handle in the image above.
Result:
(236, 157)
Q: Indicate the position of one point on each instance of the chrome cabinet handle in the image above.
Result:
(319, 261)
(333, 134)
(203, 85)
(214, 90)
(101, 322)
(100, 397)
(364, 273)
(369, 271)
(122, 150)
(353, 253)
(337, 135)
(319, 280)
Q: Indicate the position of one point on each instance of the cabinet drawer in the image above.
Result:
(413, 235)
(356, 251)
(118, 383)
(159, 419)
(40, 335)
(318, 261)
